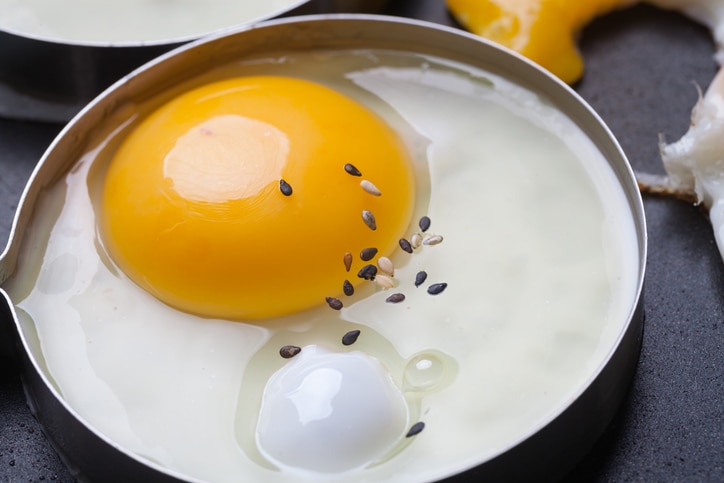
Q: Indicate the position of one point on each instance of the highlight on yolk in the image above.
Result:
(193, 211)
(542, 30)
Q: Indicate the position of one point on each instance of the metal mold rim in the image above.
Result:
(548, 451)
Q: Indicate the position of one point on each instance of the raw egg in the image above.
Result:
(176, 291)
(545, 31)
(241, 198)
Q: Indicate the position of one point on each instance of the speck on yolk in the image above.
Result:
(192, 210)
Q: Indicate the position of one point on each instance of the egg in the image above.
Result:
(545, 31)
(235, 200)
(694, 169)
(694, 164)
(505, 269)
(130, 21)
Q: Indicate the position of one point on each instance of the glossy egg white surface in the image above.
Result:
(538, 253)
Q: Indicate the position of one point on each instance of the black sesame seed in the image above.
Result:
(368, 272)
(334, 303)
(369, 218)
(405, 245)
(424, 223)
(285, 188)
(289, 351)
(350, 337)
(395, 298)
(348, 288)
(347, 261)
(420, 278)
(368, 254)
(436, 288)
(351, 169)
(415, 429)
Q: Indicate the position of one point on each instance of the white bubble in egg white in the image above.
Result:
(330, 412)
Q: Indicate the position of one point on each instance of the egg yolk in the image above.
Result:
(542, 30)
(236, 200)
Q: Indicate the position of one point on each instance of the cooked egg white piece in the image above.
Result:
(538, 254)
(696, 163)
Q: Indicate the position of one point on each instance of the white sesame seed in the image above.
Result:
(386, 266)
(432, 240)
(369, 187)
(416, 240)
(384, 281)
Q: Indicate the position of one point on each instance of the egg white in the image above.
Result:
(693, 163)
(541, 276)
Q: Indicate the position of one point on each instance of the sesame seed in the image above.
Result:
(367, 272)
(348, 288)
(424, 223)
(432, 240)
(395, 298)
(348, 261)
(369, 219)
(368, 254)
(405, 245)
(370, 188)
(334, 303)
(350, 337)
(289, 351)
(436, 288)
(416, 240)
(351, 169)
(384, 281)
(386, 265)
(420, 278)
(415, 429)
(285, 188)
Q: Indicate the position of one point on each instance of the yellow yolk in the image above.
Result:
(542, 30)
(193, 211)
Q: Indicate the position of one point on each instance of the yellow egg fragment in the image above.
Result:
(194, 212)
(542, 30)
